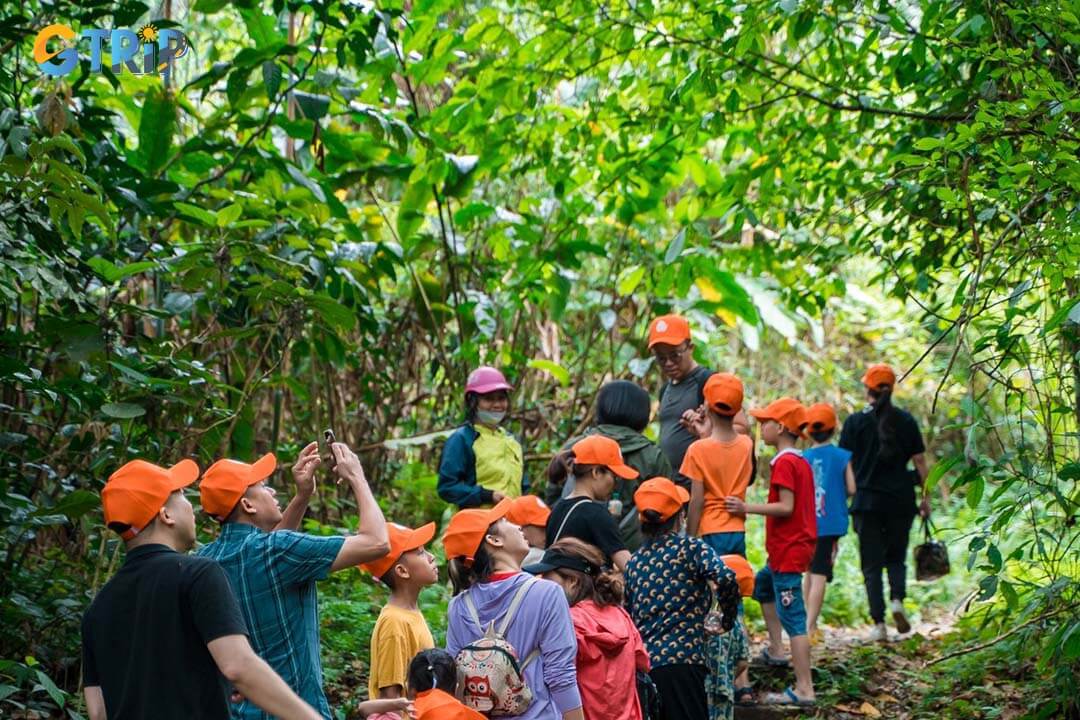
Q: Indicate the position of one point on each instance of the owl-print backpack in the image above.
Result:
(491, 679)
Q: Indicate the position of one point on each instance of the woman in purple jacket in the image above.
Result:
(485, 551)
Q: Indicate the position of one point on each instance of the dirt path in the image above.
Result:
(856, 677)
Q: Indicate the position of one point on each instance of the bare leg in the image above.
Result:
(772, 623)
(800, 660)
(814, 591)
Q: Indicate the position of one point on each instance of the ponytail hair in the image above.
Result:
(605, 586)
(653, 524)
(432, 669)
(560, 468)
(463, 574)
(886, 423)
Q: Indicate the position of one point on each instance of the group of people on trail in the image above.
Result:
(633, 573)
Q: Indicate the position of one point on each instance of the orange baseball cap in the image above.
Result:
(402, 540)
(600, 450)
(466, 529)
(528, 510)
(877, 375)
(661, 495)
(226, 481)
(820, 416)
(723, 393)
(438, 705)
(137, 490)
(744, 574)
(789, 412)
(669, 329)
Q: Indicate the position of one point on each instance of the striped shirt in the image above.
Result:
(273, 575)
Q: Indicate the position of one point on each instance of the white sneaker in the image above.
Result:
(902, 624)
(880, 633)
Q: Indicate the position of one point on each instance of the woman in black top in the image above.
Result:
(594, 461)
(883, 439)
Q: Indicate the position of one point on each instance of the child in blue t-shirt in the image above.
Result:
(834, 483)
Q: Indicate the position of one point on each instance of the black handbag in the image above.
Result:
(649, 696)
(931, 557)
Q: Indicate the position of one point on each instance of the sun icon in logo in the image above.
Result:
(148, 33)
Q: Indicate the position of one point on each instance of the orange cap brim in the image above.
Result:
(675, 340)
(624, 471)
(417, 538)
(183, 474)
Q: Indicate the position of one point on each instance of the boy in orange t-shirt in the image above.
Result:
(719, 465)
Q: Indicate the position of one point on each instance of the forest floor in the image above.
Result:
(857, 678)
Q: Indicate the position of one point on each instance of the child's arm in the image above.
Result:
(782, 508)
(692, 470)
(697, 506)
(376, 707)
(849, 479)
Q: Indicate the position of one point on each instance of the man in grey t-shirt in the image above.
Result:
(673, 350)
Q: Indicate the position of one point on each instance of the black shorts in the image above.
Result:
(822, 564)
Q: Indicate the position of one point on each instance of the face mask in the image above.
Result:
(487, 417)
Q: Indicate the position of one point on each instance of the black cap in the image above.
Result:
(554, 560)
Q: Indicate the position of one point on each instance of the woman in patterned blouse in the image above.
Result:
(670, 586)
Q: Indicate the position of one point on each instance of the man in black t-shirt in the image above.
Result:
(683, 393)
(882, 440)
(164, 638)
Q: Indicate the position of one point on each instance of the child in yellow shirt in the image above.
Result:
(401, 631)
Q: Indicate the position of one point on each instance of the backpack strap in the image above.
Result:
(514, 604)
(566, 517)
(470, 605)
(531, 656)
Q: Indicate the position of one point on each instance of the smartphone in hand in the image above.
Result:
(331, 462)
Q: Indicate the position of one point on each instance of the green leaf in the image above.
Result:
(412, 210)
(975, 492)
(123, 410)
(49, 686)
(271, 73)
(157, 125)
(111, 273)
(939, 470)
(987, 587)
(332, 312)
(193, 212)
(229, 214)
(261, 27)
(675, 247)
(298, 175)
(73, 505)
(312, 107)
(557, 371)
(630, 279)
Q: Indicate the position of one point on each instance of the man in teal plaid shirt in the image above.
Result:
(273, 569)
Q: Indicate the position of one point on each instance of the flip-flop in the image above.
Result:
(771, 661)
(745, 696)
(788, 697)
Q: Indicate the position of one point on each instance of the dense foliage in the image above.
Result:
(333, 209)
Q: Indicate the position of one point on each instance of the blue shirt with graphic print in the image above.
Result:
(830, 491)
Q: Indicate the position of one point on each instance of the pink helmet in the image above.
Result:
(486, 379)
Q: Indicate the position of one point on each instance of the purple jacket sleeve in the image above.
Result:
(558, 650)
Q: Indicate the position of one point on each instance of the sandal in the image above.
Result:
(771, 661)
(745, 696)
(788, 697)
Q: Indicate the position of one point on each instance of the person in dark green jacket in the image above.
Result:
(622, 413)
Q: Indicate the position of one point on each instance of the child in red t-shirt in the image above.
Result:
(790, 535)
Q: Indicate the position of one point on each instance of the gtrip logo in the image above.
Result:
(148, 51)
